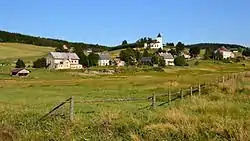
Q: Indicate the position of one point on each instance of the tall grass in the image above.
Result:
(221, 114)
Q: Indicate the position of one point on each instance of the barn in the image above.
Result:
(19, 72)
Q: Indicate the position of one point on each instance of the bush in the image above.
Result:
(226, 61)
(180, 61)
(196, 63)
(20, 64)
(39, 63)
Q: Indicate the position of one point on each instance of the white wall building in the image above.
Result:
(155, 43)
(169, 59)
(104, 59)
(63, 60)
(225, 52)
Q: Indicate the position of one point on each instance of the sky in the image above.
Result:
(109, 22)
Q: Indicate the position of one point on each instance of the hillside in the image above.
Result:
(40, 41)
(13, 51)
(200, 45)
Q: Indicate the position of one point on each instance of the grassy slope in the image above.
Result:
(22, 101)
(10, 51)
(25, 100)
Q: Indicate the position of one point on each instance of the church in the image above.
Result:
(155, 43)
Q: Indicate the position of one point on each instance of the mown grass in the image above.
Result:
(12, 51)
(24, 100)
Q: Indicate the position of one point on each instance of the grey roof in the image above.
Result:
(146, 59)
(105, 56)
(167, 56)
(64, 55)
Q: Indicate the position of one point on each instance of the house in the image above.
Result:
(104, 59)
(63, 60)
(19, 72)
(224, 52)
(146, 60)
(186, 55)
(169, 59)
(118, 62)
(155, 43)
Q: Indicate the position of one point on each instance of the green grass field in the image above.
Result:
(221, 114)
(10, 51)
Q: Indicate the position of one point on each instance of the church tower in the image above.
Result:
(159, 40)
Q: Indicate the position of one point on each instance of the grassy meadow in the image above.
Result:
(12, 51)
(222, 113)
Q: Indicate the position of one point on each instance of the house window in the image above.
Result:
(61, 62)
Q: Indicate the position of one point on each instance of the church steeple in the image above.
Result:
(159, 35)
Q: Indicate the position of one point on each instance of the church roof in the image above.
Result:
(159, 35)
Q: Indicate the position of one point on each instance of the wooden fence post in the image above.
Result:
(72, 109)
(154, 102)
(169, 96)
(181, 94)
(191, 91)
(199, 89)
(223, 79)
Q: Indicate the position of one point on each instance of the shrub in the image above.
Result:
(180, 61)
(196, 63)
(20, 64)
(39, 63)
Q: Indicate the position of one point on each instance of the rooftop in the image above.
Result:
(167, 55)
(105, 56)
(64, 55)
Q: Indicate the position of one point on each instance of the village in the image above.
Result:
(154, 53)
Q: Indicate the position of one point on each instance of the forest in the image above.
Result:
(40, 41)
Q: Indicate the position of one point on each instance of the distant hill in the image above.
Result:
(214, 45)
(40, 41)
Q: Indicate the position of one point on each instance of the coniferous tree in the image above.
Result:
(20, 64)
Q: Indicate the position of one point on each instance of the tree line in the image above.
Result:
(40, 41)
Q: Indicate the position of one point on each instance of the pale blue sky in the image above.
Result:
(109, 22)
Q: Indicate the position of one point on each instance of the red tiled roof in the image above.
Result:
(222, 49)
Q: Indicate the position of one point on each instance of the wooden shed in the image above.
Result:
(19, 72)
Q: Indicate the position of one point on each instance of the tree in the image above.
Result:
(194, 51)
(20, 64)
(208, 54)
(246, 52)
(180, 61)
(83, 58)
(61, 49)
(130, 56)
(160, 50)
(39, 63)
(124, 42)
(162, 62)
(180, 47)
(155, 59)
(172, 52)
(240, 50)
(170, 44)
(93, 59)
(145, 53)
(138, 55)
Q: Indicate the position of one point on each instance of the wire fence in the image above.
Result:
(171, 96)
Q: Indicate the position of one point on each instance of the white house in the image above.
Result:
(225, 52)
(63, 60)
(104, 59)
(155, 43)
(169, 59)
